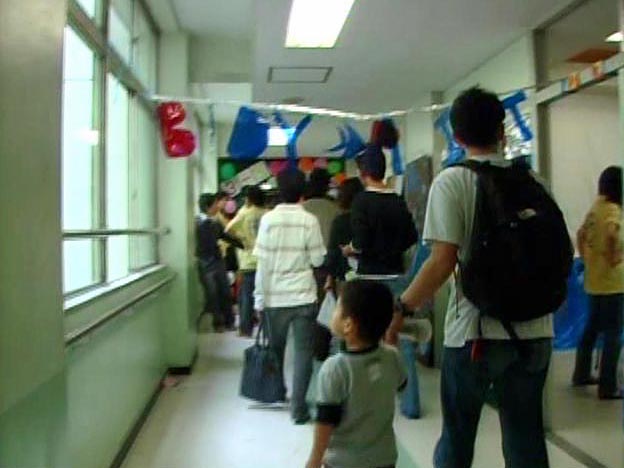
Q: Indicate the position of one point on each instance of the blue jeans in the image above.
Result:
(246, 302)
(516, 373)
(303, 320)
(606, 318)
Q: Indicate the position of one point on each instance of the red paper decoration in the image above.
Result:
(178, 142)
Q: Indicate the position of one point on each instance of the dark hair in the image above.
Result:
(347, 192)
(291, 184)
(372, 162)
(255, 195)
(220, 195)
(610, 184)
(477, 117)
(370, 304)
(318, 184)
(206, 200)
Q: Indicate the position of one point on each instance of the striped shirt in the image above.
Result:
(288, 246)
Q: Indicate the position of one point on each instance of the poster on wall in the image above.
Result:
(417, 182)
(253, 175)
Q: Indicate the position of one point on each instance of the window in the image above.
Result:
(81, 141)
(120, 28)
(109, 147)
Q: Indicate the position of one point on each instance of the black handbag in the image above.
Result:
(262, 378)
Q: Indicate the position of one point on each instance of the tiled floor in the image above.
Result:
(202, 423)
(581, 419)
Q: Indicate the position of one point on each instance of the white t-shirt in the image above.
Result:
(450, 216)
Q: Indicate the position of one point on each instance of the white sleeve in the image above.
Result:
(444, 220)
(314, 244)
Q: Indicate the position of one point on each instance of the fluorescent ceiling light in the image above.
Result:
(615, 37)
(279, 136)
(316, 23)
(266, 186)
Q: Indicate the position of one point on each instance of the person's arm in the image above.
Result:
(322, 434)
(359, 227)
(614, 244)
(331, 393)
(314, 244)
(230, 239)
(434, 273)
(260, 253)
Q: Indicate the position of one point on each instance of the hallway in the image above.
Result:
(202, 423)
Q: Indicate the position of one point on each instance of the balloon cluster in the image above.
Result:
(178, 142)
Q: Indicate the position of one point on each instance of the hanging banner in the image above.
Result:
(253, 175)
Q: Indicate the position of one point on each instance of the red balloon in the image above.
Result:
(171, 114)
(179, 143)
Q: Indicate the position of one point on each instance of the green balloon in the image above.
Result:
(334, 167)
(227, 171)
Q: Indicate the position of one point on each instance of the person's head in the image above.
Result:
(372, 164)
(363, 313)
(254, 196)
(318, 184)
(221, 198)
(208, 204)
(347, 192)
(477, 118)
(291, 185)
(610, 184)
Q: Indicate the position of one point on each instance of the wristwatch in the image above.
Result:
(402, 308)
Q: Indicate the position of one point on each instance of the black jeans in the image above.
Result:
(217, 292)
(516, 372)
(246, 302)
(606, 318)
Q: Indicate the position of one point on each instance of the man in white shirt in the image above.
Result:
(479, 354)
(289, 245)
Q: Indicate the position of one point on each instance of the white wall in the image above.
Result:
(511, 69)
(584, 140)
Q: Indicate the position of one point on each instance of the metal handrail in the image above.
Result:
(99, 233)
(77, 335)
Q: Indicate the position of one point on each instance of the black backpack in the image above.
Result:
(520, 255)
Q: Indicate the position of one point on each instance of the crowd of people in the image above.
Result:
(355, 247)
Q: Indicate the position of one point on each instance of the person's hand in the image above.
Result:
(314, 463)
(347, 250)
(330, 284)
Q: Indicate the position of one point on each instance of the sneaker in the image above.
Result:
(301, 420)
(617, 395)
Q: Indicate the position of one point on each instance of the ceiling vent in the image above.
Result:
(592, 55)
(299, 74)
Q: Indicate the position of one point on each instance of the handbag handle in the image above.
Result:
(262, 334)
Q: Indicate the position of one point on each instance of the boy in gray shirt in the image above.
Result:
(357, 387)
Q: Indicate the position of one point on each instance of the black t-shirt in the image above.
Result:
(208, 233)
(340, 234)
(383, 229)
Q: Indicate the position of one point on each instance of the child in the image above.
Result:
(357, 387)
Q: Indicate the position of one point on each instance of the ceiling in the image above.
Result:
(389, 53)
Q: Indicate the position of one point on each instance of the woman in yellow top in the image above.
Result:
(600, 245)
(245, 227)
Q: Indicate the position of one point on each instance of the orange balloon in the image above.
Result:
(306, 164)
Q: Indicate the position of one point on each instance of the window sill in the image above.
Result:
(71, 304)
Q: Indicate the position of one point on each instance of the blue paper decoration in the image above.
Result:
(250, 136)
(351, 143)
(455, 153)
(511, 103)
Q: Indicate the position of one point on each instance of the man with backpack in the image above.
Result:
(495, 227)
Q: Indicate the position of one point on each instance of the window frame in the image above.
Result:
(94, 32)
